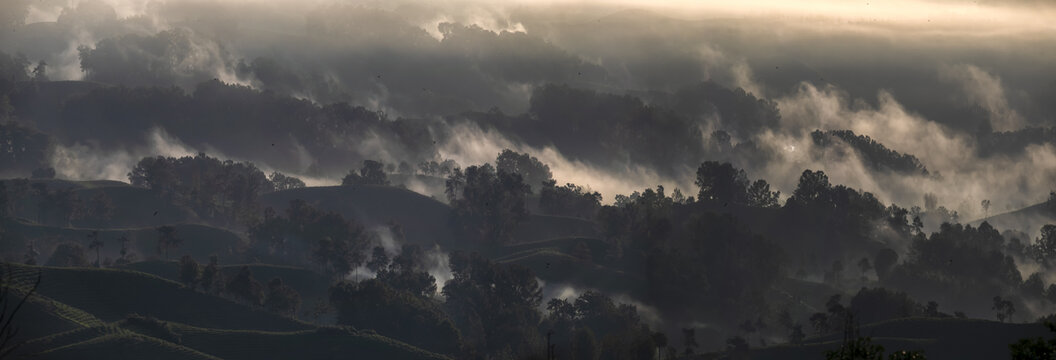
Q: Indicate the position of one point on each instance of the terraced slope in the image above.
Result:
(111, 295)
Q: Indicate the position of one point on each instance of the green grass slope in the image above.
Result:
(111, 294)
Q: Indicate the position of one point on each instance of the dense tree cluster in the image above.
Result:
(568, 200)
(494, 305)
(533, 172)
(372, 173)
(956, 263)
(223, 191)
(487, 203)
(306, 235)
(22, 149)
(726, 184)
(872, 153)
(594, 326)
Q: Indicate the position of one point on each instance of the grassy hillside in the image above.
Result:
(123, 345)
(555, 266)
(424, 219)
(42, 316)
(136, 207)
(131, 206)
(322, 343)
(313, 287)
(111, 294)
(199, 241)
(1029, 220)
(546, 227)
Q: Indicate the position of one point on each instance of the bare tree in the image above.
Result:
(8, 331)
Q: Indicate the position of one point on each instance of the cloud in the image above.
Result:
(87, 162)
(985, 90)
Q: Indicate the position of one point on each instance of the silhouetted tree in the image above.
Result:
(1036, 348)
(372, 173)
(189, 270)
(407, 272)
(126, 253)
(40, 72)
(1003, 309)
(584, 345)
(568, 200)
(244, 287)
(493, 304)
(759, 195)
(283, 182)
(282, 299)
(328, 240)
(533, 172)
(872, 153)
(212, 279)
(13, 301)
(660, 339)
(223, 191)
(97, 245)
(723, 183)
(167, 239)
(69, 255)
(378, 260)
(797, 334)
(30, 257)
(885, 260)
(487, 204)
(820, 322)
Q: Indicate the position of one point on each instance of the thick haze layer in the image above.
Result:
(920, 77)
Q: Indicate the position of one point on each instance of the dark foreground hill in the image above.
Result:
(945, 338)
(311, 286)
(139, 337)
(88, 313)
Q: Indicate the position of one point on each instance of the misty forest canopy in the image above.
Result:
(427, 181)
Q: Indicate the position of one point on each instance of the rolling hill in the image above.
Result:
(199, 241)
(424, 219)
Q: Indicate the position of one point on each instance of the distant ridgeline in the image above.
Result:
(1012, 142)
(873, 154)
